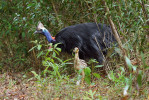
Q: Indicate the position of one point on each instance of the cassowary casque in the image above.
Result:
(92, 39)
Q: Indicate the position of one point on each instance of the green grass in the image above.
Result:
(16, 86)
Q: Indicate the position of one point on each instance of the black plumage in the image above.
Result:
(92, 39)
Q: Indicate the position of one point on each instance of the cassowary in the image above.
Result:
(79, 63)
(92, 39)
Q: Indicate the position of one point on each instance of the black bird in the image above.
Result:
(92, 39)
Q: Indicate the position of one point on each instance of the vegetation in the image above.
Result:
(30, 70)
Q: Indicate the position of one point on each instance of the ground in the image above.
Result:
(17, 86)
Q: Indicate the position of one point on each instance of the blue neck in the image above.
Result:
(48, 35)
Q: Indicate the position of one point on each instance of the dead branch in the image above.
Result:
(115, 33)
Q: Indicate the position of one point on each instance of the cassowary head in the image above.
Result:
(76, 50)
(42, 30)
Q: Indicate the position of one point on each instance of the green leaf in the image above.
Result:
(112, 76)
(134, 68)
(87, 71)
(59, 59)
(54, 54)
(67, 60)
(86, 98)
(56, 45)
(99, 66)
(96, 75)
(32, 48)
(128, 63)
(35, 74)
(122, 69)
(59, 49)
(143, 60)
(39, 54)
(23, 34)
(92, 61)
(35, 42)
(139, 78)
(50, 45)
(80, 71)
(39, 47)
(69, 63)
(51, 49)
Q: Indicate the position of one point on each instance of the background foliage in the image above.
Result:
(19, 20)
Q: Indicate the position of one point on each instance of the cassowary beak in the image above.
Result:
(37, 31)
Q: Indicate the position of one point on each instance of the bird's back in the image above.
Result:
(83, 36)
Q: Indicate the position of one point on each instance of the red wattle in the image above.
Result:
(53, 38)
